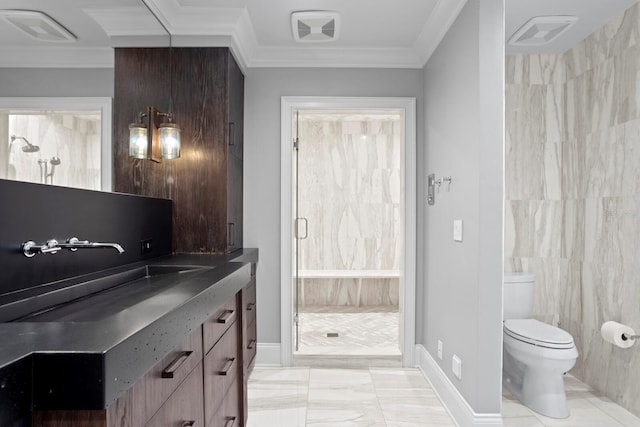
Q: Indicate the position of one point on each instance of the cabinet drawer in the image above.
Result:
(185, 406)
(157, 385)
(250, 346)
(229, 414)
(249, 299)
(221, 367)
(217, 324)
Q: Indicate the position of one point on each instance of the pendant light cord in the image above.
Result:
(166, 30)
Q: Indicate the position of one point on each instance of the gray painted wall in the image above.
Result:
(56, 82)
(462, 299)
(263, 89)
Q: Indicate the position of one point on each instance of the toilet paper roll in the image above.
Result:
(612, 332)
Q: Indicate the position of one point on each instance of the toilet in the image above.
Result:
(536, 354)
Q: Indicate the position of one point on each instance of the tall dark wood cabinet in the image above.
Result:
(205, 183)
(235, 148)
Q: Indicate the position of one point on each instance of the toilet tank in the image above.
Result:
(518, 295)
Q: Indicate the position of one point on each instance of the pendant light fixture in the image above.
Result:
(155, 135)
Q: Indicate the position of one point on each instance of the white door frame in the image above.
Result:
(408, 280)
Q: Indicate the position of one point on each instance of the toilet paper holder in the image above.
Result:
(627, 337)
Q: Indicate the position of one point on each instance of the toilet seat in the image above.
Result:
(537, 333)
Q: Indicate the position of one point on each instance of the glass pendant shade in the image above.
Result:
(138, 141)
(169, 140)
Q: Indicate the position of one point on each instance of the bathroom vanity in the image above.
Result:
(92, 336)
(175, 347)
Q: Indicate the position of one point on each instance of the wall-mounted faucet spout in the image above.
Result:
(74, 244)
(31, 248)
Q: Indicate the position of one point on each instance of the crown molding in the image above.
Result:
(303, 57)
(440, 20)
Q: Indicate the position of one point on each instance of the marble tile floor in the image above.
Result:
(395, 397)
(318, 397)
(588, 409)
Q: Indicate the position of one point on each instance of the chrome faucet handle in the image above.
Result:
(31, 248)
(74, 241)
(51, 247)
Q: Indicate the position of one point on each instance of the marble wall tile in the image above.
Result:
(573, 229)
(604, 160)
(369, 292)
(534, 69)
(631, 171)
(524, 142)
(350, 184)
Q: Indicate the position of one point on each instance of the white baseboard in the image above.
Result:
(462, 414)
(268, 354)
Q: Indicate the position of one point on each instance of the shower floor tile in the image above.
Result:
(348, 333)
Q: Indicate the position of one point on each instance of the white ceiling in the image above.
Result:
(374, 33)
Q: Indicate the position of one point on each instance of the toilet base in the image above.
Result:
(538, 389)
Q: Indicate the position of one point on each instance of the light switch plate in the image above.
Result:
(457, 230)
(439, 349)
(456, 366)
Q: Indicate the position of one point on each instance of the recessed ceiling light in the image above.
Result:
(37, 25)
(315, 26)
(542, 30)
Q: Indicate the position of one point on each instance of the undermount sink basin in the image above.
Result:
(101, 297)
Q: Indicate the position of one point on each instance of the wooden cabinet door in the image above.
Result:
(229, 414)
(221, 369)
(185, 406)
(235, 147)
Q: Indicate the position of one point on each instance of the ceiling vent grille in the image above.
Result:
(37, 25)
(315, 26)
(542, 30)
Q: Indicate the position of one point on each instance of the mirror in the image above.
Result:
(57, 141)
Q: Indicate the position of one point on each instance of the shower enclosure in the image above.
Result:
(348, 234)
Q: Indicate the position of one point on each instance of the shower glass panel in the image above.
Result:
(348, 231)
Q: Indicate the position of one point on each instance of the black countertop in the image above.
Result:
(87, 356)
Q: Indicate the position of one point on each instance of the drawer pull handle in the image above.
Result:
(175, 365)
(188, 424)
(251, 344)
(231, 421)
(226, 316)
(227, 366)
(251, 306)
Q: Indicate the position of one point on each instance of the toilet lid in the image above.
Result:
(538, 333)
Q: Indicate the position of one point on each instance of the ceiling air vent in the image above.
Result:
(542, 30)
(315, 26)
(37, 25)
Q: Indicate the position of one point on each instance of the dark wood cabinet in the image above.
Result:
(205, 183)
(235, 149)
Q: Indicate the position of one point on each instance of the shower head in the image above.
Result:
(29, 148)
(55, 161)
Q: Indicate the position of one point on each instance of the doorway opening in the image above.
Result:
(349, 300)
